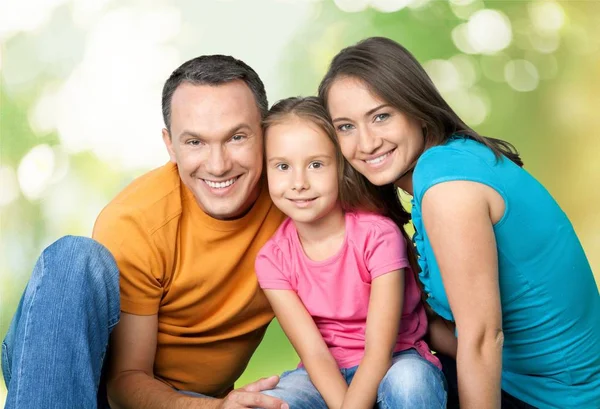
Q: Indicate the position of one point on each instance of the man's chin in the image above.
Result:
(223, 208)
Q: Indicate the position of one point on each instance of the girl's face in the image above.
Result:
(378, 140)
(301, 169)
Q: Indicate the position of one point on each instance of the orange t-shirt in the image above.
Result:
(195, 272)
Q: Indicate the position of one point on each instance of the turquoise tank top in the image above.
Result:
(550, 301)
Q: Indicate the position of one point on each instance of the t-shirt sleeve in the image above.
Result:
(122, 231)
(270, 270)
(385, 249)
(446, 163)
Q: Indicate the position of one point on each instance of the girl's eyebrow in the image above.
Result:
(277, 158)
(368, 113)
(320, 156)
(310, 158)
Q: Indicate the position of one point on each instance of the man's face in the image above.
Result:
(216, 141)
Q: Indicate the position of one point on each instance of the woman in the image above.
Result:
(498, 257)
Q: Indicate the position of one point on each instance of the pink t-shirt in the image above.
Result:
(336, 291)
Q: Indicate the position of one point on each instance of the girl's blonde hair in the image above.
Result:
(355, 192)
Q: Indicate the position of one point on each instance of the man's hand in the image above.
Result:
(249, 396)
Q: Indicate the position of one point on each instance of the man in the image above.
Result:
(184, 238)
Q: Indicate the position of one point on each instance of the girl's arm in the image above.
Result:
(304, 335)
(441, 335)
(383, 322)
(457, 219)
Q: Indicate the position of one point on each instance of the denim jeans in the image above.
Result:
(53, 353)
(412, 382)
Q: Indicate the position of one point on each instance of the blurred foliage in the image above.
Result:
(554, 126)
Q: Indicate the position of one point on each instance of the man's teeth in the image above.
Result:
(378, 159)
(220, 185)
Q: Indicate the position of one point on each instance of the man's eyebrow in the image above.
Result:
(242, 126)
(232, 131)
(368, 113)
(190, 133)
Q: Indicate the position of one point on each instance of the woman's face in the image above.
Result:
(378, 140)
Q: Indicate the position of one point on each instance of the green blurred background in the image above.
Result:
(81, 81)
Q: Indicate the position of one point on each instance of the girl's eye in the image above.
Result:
(381, 117)
(345, 127)
(282, 166)
(315, 165)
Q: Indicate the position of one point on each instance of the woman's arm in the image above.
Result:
(457, 219)
(383, 322)
(304, 335)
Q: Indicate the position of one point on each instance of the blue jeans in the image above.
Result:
(412, 382)
(53, 353)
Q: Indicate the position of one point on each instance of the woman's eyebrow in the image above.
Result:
(368, 113)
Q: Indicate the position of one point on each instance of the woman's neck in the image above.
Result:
(323, 238)
(405, 182)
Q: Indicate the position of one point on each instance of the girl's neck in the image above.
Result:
(323, 238)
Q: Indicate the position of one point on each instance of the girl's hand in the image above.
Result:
(304, 335)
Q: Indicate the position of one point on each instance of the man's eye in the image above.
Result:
(282, 166)
(237, 138)
(344, 127)
(193, 142)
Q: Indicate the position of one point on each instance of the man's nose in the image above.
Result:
(218, 162)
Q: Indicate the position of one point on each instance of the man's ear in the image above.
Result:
(169, 144)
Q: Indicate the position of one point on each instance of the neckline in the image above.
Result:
(329, 260)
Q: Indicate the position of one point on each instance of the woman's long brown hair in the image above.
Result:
(394, 74)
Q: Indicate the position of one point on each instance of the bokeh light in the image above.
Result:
(35, 171)
(10, 185)
(521, 75)
(489, 31)
(546, 16)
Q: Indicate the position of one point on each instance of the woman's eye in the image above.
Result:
(315, 165)
(345, 127)
(381, 117)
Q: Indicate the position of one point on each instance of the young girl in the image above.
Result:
(338, 277)
(498, 256)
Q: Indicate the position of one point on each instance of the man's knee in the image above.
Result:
(296, 389)
(75, 257)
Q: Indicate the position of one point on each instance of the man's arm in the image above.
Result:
(304, 335)
(383, 322)
(131, 383)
